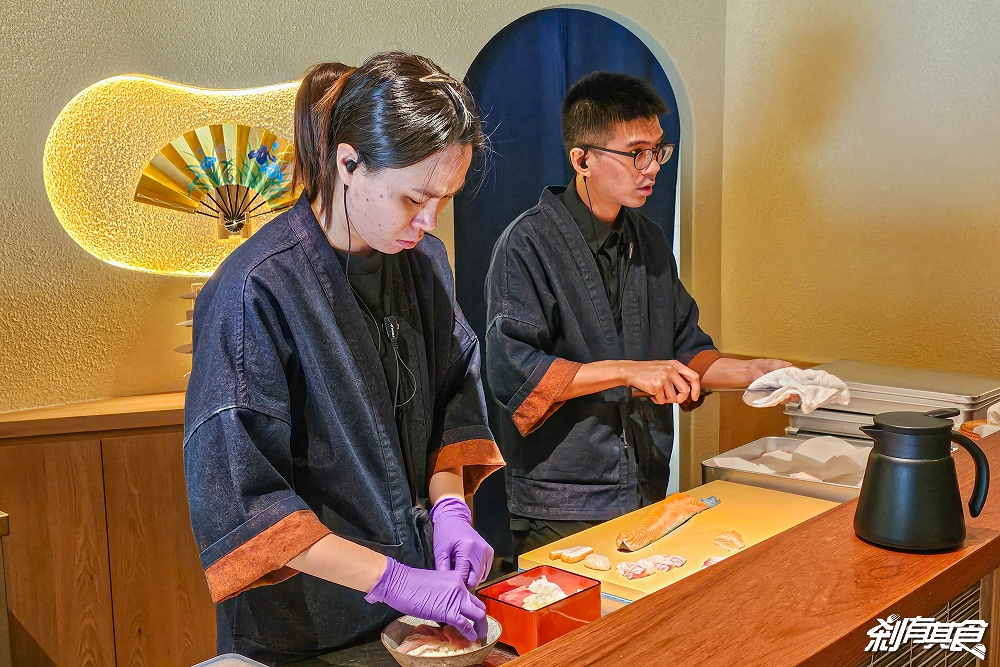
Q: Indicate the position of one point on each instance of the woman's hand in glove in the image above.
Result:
(431, 595)
(457, 545)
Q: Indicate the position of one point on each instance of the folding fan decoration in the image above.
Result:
(231, 173)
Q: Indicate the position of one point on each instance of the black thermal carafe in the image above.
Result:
(910, 498)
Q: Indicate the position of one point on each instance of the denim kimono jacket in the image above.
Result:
(599, 456)
(290, 435)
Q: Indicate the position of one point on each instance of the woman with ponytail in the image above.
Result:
(335, 420)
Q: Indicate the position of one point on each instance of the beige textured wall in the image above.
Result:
(73, 328)
(861, 166)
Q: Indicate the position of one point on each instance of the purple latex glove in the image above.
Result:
(432, 596)
(457, 545)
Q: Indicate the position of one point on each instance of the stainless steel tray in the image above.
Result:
(837, 493)
(915, 383)
(830, 422)
(871, 403)
(799, 434)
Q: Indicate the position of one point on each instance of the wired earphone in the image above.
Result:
(390, 323)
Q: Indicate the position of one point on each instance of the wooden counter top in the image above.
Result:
(103, 415)
(759, 513)
(805, 597)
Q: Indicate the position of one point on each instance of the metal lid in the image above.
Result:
(914, 382)
(822, 414)
(913, 423)
(796, 433)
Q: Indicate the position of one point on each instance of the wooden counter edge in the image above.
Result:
(933, 595)
(127, 412)
(845, 650)
(989, 611)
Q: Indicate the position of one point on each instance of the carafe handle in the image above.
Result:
(982, 486)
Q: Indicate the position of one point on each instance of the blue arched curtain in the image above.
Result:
(519, 80)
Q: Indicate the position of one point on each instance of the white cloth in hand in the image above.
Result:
(814, 389)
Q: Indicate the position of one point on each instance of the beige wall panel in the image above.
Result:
(860, 171)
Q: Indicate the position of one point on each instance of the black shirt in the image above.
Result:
(369, 276)
(606, 243)
(364, 273)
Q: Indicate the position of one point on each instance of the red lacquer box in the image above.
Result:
(526, 630)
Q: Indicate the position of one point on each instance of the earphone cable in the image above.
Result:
(347, 274)
(392, 341)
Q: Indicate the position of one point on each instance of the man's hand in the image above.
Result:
(761, 367)
(664, 381)
(739, 373)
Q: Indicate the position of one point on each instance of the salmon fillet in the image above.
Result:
(662, 519)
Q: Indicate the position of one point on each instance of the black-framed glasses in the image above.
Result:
(640, 158)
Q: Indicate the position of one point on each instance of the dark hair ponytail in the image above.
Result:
(396, 110)
(317, 82)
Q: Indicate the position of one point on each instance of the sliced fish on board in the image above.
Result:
(662, 519)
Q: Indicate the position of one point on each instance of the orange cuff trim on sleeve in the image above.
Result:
(262, 560)
(542, 402)
(701, 361)
(479, 459)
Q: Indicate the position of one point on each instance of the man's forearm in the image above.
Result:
(595, 377)
(738, 373)
(728, 374)
(667, 381)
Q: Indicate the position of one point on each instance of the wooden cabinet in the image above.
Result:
(162, 611)
(56, 555)
(101, 566)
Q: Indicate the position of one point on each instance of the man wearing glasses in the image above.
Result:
(591, 335)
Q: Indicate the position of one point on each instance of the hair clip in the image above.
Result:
(437, 77)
